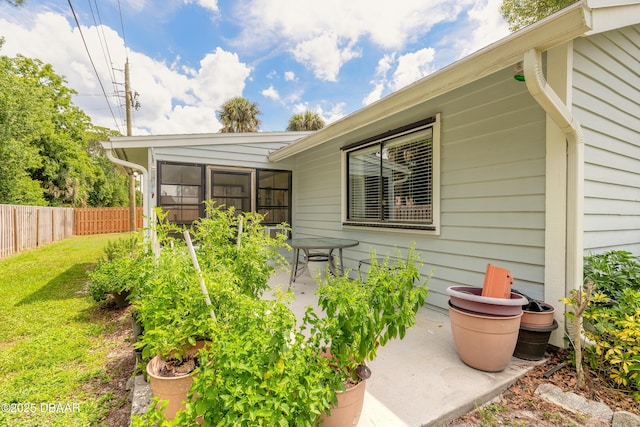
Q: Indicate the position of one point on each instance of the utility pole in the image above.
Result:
(132, 178)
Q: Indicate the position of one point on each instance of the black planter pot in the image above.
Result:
(533, 340)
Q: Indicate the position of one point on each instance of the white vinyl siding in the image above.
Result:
(492, 190)
(606, 101)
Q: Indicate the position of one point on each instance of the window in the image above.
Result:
(183, 188)
(390, 180)
(274, 196)
(232, 188)
(181, 191)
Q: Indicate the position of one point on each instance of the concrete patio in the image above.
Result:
(420, 380)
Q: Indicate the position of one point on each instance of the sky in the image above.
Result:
(187, 57)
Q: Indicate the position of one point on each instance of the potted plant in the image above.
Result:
(361, 316)
(235, 258)
(175, 322)
(124, 265)
(259, 369)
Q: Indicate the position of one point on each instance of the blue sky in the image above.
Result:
(188, 56)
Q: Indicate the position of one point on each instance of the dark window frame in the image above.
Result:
(427, 217)
(160, 183)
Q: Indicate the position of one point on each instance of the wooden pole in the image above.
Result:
(132, 178)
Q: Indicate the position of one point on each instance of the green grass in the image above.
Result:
(51, 336)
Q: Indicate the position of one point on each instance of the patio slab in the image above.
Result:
(420, 380)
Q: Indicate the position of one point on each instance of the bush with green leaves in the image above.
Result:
(615, 330)
(362, 315)
(612, 272)
(260, 371)
(241, 243)
(125, 266)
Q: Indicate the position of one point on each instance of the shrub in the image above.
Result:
(124, 266)
(614, 326)
(615, 330)
(612, 272)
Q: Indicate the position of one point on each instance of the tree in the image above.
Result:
(520, 13)
(239, 115)
(308, 120)
(45, 153)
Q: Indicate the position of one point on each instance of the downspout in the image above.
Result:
(145, 184)
(564, 119)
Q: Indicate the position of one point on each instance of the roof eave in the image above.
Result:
(157, 141)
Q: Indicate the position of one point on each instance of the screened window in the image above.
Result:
(181, 191)
(274, 196)
(390, 180)
(232, 188)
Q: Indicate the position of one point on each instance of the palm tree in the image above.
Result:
(239, 115)
(305, 121)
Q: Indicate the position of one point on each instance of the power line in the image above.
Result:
(105, 49)
(75, 17)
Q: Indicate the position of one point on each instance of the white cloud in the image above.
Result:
(336, 112)
(374, 95)
(412, 67)
(271, 93)
(489, 26)
(211, 5)
(289, 76)
(323, 36)
(174, 99)
(324, 55)
(406, 69)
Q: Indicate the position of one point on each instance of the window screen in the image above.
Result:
(391, 180)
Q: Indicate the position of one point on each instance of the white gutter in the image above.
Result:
(562, 116)
(145, 184)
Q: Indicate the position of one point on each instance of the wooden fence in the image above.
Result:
(27, 227)
(105, 220)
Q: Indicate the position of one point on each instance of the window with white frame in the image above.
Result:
(390, 179)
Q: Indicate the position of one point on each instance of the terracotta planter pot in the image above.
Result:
(470, 298)
(533, 340)
(538, 318)
(349, 408)
(173, 389)
(484, 342)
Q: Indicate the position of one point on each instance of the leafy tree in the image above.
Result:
(15, 2)
(239, 115)
(308, 120)
(520, 13)
(45, 152)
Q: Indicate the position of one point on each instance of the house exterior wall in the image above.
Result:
(606, 101)
(244, 155)
(492, 191)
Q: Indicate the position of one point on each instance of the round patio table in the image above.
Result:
(317, 249)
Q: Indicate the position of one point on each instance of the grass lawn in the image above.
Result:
(59, 350)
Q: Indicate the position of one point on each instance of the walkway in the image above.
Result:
(420, 380)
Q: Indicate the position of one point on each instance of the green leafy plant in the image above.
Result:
(612, 272)
(239, 241)
(125, 265)
(615, 330)
(169, 305)
(260, 371)
(362, 315)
